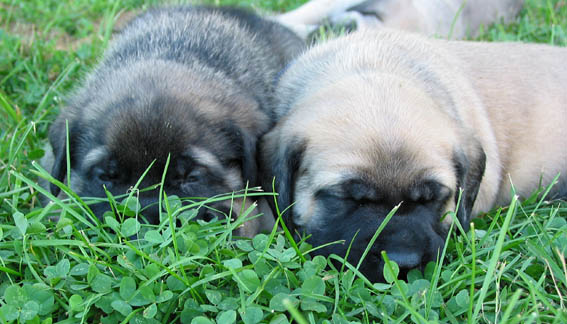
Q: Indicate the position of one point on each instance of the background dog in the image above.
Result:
(376, 119)
(455, 18)
(192, 83)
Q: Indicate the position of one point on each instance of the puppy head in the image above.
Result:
(349, 153)
(112, 147)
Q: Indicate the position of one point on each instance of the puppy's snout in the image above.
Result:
(208, 214)
(406, 259)
(212, 212)
(150, 209)
(412, 247)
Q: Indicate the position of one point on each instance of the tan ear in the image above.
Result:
(470, 164)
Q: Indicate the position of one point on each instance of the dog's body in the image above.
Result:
(455, 18)
(375, 119)
(192, 83)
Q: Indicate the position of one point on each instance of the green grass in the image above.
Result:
(510, 268)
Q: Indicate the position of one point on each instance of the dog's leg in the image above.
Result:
(306, 18)
(361, 21)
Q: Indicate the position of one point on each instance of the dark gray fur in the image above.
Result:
(175, 78)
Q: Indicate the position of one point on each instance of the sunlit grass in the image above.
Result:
(60, 264)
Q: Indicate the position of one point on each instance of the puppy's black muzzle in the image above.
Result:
(411, 247)
(150, 211)
(411, 240)
(208, 213)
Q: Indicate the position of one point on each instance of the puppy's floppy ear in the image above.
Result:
(469, 168)
(280, 161)
(58, 142)
(249, 166)
(246, 144)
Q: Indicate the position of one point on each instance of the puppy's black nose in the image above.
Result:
(406, 259)
(220, 212)
(150, 209)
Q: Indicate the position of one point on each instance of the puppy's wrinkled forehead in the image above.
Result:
(391, 158)
(389, 128)
(139, 133)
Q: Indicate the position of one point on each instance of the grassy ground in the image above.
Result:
(510, 268)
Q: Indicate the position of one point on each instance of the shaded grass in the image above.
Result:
(509, 268)
(541, 21)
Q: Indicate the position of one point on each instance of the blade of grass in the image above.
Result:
(511, 304)
(281, 222)
(297, 316)
(405, 302)
(495, 256)
(7, 106)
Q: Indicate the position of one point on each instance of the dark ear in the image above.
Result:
(246, 149)
(249, 167)
(280, 161)
(58, 141)
(469, 169)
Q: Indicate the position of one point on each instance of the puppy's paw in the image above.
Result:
(361, 21)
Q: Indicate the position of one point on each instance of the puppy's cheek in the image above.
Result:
(233, 179)
(77, 183)
(233, 208)
(446, 218)
(252, 226)
(304, 211)
(305, 204)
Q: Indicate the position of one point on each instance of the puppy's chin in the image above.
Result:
(258, 214)
(412, 237)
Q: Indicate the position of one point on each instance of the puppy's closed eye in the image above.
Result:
(194, 175)
(187, 172)
(429, 191)
(107, 173)
(352, 193)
